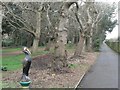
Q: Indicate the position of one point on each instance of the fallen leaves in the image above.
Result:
(44, 78)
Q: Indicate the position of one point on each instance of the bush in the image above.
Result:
(7, 43)
(114, 46)
(96, 45)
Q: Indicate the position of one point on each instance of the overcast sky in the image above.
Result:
(114, 33)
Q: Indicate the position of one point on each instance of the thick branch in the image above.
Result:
(27, 29)
(18, 18)
(79, 22)
(89, 17)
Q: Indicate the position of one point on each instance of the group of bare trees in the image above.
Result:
(56, 20)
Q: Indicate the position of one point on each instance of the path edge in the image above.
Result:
(81, 78)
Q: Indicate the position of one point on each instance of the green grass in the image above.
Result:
(114, 46)
(14, 62)
(7, 50)
(0, 81)
(73, 65)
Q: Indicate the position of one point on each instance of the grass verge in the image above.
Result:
(114, 46)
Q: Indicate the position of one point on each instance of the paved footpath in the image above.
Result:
(104, 74)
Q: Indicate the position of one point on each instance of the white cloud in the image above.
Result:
(113, 34)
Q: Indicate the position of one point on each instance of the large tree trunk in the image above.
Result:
(90, 40)
(37, 33)
(85, 29)
(80, 46)
(35, 45)
(60, 56)
(60, 59)
(30, 40)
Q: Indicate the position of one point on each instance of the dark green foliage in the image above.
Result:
(96, 44)
(114, 46)
(7, 43)
(106, 24)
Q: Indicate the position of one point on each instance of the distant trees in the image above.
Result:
(91, 17)
(55, 24)
(25, 17)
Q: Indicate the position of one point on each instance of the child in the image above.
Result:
(26, 64)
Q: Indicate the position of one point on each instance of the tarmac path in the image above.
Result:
(104, 73)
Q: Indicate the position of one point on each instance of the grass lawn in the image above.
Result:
(14, 62)
(7, 50)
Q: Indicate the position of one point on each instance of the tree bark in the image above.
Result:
(48, 45)
(35, 45)
(90, 39)
(37, 33)
(83, 30)
(80, 46)
(60, 57)
(30, 40)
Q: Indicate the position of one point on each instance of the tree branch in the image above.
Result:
(27, 9)
(27, 29)
(19, 19)
(50, 24)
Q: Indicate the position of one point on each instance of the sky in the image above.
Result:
(107, 0)
(114, 33)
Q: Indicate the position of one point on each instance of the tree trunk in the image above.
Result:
(60, 56)
(48, 45)
(88, 47)
(30, 40)
(35, 45)
(60, 59)
(80, 46)
(90, 39)
(37, 33)
(1, 13)
(86, 44)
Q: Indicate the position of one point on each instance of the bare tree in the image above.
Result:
(60, 54)
(30, 19)
(88, 17)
